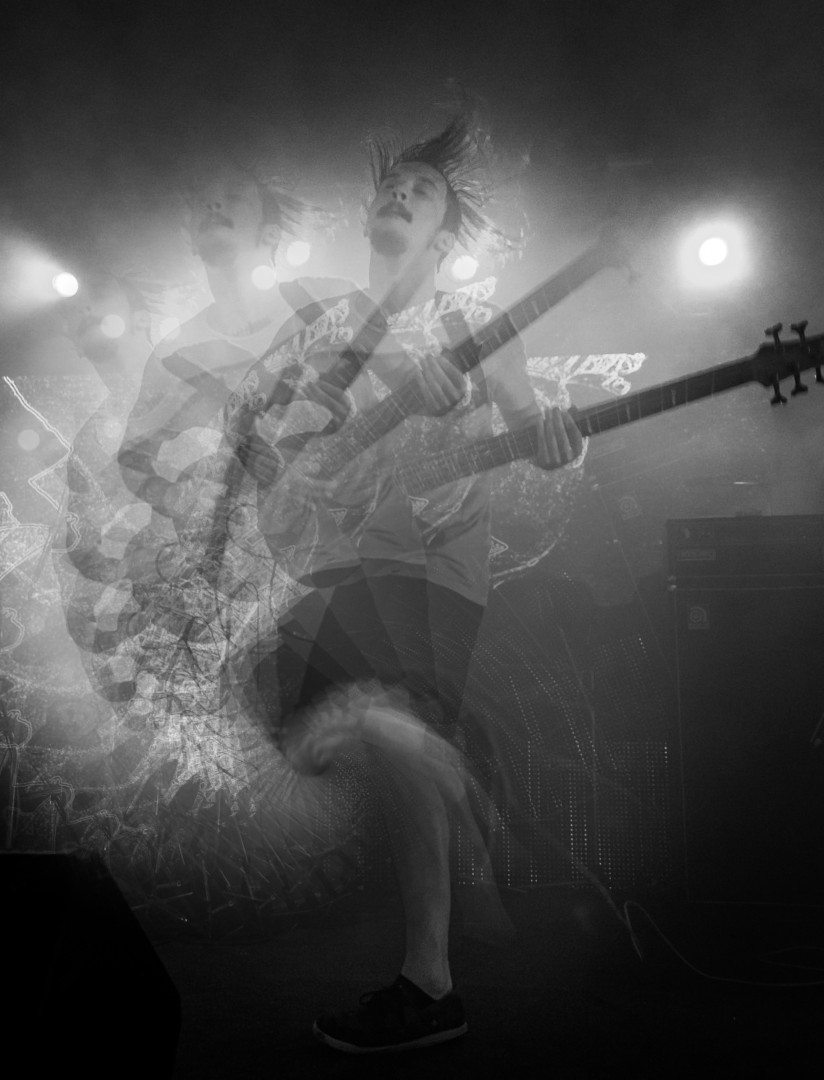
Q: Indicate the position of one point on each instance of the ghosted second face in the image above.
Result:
(227, 217)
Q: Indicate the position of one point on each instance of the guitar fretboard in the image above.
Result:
(530, 308)
(373, 424)
(336, 450)
(449, 465)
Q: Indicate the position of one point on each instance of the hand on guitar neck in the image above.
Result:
(559, 438)
(331, 397)
(440, 385)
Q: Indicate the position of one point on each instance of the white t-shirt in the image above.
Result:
(445, 535)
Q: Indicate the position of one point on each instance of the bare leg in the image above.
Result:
(420, 843)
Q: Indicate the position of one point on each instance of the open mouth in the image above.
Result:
(394, 210)
(215, 219)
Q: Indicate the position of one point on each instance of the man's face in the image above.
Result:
(407, 213)
(227, 217)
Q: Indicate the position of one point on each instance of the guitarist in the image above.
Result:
(235, 223)
(413, 611)
(170, 457)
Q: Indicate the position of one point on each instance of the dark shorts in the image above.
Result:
(398, 630)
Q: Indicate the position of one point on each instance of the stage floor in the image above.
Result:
(569, 997)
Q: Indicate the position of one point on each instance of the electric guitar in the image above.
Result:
(338, 448)
(768, 366)
(324, 458)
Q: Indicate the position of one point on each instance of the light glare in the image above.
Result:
(713, 251)
(714, 254)
(30, 278)
(112, 326)
(65, 284)
(28, 439)
(464, 268)
(264, 277)
(298, 253)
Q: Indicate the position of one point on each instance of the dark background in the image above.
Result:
(661, 109)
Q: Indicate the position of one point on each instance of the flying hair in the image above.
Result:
(462, 154)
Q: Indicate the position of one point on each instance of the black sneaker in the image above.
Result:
(397, 1018)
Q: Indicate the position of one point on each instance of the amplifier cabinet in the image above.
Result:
(749, 633)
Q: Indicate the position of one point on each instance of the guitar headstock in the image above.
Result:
(783, 359)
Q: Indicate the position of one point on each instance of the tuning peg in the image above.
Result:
(799, 328)
(773, 332)
(799, 388)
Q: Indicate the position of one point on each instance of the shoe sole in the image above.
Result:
(414, 1044)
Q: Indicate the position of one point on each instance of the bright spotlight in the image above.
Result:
(713, 251)
(65, 284)
(112, 326)
(169, 329)
(28, 439)
(713, 255)
(464, 268)
(264, 277)
(298, 253)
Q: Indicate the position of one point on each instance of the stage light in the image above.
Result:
(31, 278)
(28, 439)
(65, 284)
(714, 254)
(264, 277)
(298, 253)
(112, 326)
(169, 329)
(463, 268)
(713, 251)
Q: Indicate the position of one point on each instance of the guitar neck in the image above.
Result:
(369, 427)
(669, 395)
(483, 454)
(375, 423)
(477, 347)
